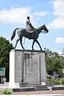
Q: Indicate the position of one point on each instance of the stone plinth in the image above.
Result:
(27, 66)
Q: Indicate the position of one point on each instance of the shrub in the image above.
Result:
(62, 81)
(50, 81)
(58, 82)
(7, 91)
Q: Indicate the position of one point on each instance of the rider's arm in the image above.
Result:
(30, 24)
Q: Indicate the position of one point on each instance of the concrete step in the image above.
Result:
(41, 87)
(57, 88)
(23, 89)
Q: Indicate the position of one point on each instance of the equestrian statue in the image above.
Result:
(29, 32)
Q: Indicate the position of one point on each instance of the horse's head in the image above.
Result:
(45, 28)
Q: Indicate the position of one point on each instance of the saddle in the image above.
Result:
(31, 34)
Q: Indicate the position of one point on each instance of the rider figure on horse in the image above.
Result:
(29, 28)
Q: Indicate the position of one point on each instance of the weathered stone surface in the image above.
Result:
(27, 66)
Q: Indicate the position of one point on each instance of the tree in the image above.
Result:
(5, 48)
(54, 62)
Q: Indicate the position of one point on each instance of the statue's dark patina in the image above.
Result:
(22, 33)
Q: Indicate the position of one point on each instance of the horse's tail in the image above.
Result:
(13, 35)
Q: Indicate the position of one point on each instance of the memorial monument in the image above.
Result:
(27, 67)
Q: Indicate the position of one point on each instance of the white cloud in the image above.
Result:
(15, 15)
(50, 1)
(59, 40)
(39, 13)
(58, 6)
(58, 22)
(18, 15)
(36, 16)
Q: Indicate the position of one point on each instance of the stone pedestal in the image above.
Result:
(27, 67)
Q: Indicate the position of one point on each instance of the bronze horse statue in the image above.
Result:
(22, 33)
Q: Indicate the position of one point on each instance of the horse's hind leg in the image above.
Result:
(21, 43)
(16, 42)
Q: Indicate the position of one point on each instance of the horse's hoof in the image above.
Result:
(23, 48)
(32, 49)
(41, 49)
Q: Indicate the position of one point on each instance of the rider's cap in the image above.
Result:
(28, 17)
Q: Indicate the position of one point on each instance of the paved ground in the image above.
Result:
(40, 92)
(35, 92)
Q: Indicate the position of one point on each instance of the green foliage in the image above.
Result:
(6, 91)
(54, 62)
(62, 81)
(50, 81)
(5, 48)
(56, 81)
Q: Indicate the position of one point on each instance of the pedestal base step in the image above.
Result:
(41, 87)
(25, 89)
(58, 88)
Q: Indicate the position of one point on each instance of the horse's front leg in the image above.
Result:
(16, 42)
(33, 44)
(39, 44)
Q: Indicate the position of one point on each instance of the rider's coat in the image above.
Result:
(29, 27)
